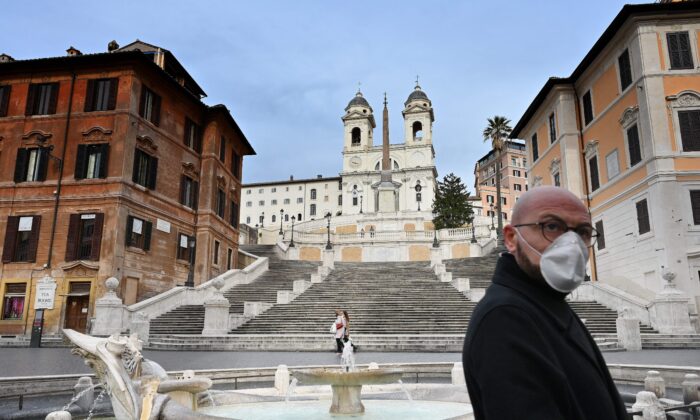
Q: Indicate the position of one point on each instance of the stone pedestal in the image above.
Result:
(285, 296)
(316, 278)
(439, 268)
(691, 388)
(461, 284)
(475, 294)
(445, 277)
(655, 383)
(323, 271)
(140, 325)
(328, 258)
(628, 333)
(474, 250)
(108, 311)
(85, 389)
(435, 256)
(236, 320)
(252, 309)
(387, 194)
(300, 286)
(458, 375)
(59, 415)
(282, 380)
(293, 253)
(347, 400)
(649, 405)
(216, 312)
(669, 310)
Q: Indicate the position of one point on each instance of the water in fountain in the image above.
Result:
(347, 360)
(211, 398)
(405, 391)
(94, 404)
(77, 396)
(291, 389)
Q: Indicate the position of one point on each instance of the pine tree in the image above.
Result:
(451, 205)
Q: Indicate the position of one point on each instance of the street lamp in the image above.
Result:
(291, 243)
(190, 274)
(360, 203)
(328, 244)
(436, 244)
(262, 220)
(281, 214)
(492, 213)
(473, 230)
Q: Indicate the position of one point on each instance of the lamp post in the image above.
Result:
(492, 213)
(436, 244)
(473, 232)
(281, 214)
(190, 274)
(328, 244)
(262, 220)
(291, 242)
(360, 203)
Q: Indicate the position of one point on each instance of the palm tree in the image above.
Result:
(497, 131)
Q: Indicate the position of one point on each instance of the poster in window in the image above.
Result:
(25, 224)
(137, 226)
(183, 241)
(87, 216)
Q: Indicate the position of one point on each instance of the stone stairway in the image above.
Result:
(189, 319)
(478, 270)
(381, 298)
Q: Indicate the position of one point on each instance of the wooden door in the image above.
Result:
(77, 312)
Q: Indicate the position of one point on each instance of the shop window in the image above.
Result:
(13, 301)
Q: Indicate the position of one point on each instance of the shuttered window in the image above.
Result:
(643, 217)
(184, 246)
(229, 259)
(42, 99)
(587, 108)
(145, 169)
(689, 122)
(21, 239)
(189, 192)
(600, 241)
(679, 50)
(222, 149)
(220, 203)
(193, 138)
(552, 128)
(138, 233)
(234, 214)
(149, 107)
(535, 148)
(623, 62)
(4, 99)
(695, 206)
(101, 94)
(236, 165)
(217, 248)
(31, 164)
(91, 161)
(593, 168)
(84, 237)
(633, 146)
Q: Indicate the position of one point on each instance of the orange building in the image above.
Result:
(623, 133)
(110, 166)
(513, 179)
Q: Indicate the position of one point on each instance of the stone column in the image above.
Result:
(628, 333)
(329, 258)
(85, 389)
(458, 375)
(282, 380)
(216, 311)
(140, 325)
(435, 256)
(691, 388)
(108, 311)
(669, 309)
(649, 405)
(655, 383)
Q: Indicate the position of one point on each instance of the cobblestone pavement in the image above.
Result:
(56, 361)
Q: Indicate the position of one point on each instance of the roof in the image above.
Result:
(222, 110)
(418, 95)
(629, 10)
(510, 144)
(358, 100)
(291, 181)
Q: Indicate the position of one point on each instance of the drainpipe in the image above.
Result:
(594, 265)
(60, 170)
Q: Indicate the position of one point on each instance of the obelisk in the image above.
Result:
(387, 192)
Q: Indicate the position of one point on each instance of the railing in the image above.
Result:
(460, 234)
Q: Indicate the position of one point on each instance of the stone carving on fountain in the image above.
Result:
(138, 388)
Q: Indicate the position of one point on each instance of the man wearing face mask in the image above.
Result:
(527, 355)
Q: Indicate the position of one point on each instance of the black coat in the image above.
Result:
(528, 356)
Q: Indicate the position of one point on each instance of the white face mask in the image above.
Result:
(563, 263)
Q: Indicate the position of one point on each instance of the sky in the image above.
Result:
(287, 69)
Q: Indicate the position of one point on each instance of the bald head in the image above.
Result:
(544, 197)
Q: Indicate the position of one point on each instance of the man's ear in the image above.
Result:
(510, 238)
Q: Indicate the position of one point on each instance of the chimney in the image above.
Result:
(112, 46)
(73, 52)
(4, 58)
(319, 176)
(291, 177)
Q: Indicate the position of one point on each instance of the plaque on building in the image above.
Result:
(162, 225)
(45, 293)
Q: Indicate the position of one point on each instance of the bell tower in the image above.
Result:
(418, 118)
(359, 124)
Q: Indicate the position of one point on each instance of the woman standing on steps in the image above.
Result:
(339, 326)
(346, 337)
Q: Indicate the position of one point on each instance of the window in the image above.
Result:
(42, 99)
(234, 215)
(417, 131)
(286, 189)
(503, 201)
(300, 200)
(689, 122)
(552, 128)
(261, 219)
(340, 199)
(356, 137)
(516, 172)
(31, 165)
(149, 108)
(261, 202)
(274, 218)
(489, 199)
(91, 161)
(217, 246)
(286, 217)
(535, 150)
(247, 220)
(145, 169)
(185, 245)
(286, 201)
(623, 62)
(261, 190)
(587, 107)
(325, 198)
(229, 259)
(189, 192)
(101, 94)
(325, 186)
(274, 202)
(312, 210)
(84, 237)
(299, 217)
(138, 233)
(695, 206)
(193, 138)
(236, 164)
(600, 241)
(633, 147)
(517, 187)
(643, 217)
(220, 203)
(274, 189)
(222, 149)
(593, 170)
(612, 165)
(557, 180)
(513, 162)
(4, 99)
(313, 194)
(248, 192)
(13, 301)
(679, 50)
(354, 201)
(21, 239)
(249, 204)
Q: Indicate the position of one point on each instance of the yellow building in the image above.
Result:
(623, 133)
